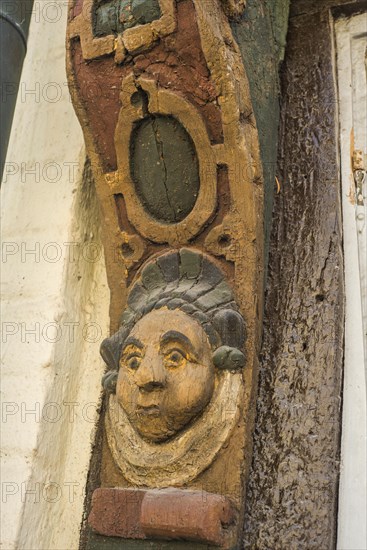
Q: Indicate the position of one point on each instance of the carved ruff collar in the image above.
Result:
(184, 457)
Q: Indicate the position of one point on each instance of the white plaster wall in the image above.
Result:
(351, 41)
(55, 304)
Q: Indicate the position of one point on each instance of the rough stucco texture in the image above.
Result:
(292, 493)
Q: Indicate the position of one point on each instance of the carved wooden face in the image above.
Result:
(166, 375)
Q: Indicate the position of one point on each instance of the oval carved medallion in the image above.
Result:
(164, 168)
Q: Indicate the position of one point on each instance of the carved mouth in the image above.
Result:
(151, 411)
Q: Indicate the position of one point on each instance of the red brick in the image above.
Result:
(189, 515)
(116, 512)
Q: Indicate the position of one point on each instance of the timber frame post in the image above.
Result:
(163, 98)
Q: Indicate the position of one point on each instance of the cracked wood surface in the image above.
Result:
(293, 485)
(164, 168)
(196, 66)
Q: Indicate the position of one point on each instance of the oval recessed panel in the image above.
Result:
(164, 168)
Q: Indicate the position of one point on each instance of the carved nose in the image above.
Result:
(151, 375)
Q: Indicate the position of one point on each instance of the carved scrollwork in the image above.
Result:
(120, 39)
(132, 249)
(157, 102)
(223, 240)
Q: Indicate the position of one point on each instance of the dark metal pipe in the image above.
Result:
(15, 16)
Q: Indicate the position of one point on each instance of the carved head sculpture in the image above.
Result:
(166, 374)
(181, 329)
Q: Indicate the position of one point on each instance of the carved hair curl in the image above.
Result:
(188, 281)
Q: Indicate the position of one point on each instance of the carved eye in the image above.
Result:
(174, 358)
(132, 362)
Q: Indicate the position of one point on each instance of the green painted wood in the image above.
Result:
(190, 266)
(145, 11)
(98, 542)
(114, 16)
(164, 168)
(292, 496)
(261, 36)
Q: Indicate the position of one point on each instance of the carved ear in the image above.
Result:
(231, 327)
(227, 358)
(109, 351)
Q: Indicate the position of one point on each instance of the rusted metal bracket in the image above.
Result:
(359, 174)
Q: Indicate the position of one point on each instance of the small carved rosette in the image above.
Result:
(162, 96)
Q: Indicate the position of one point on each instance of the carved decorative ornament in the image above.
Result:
(135, 26)
(177, 392)
(163, 100)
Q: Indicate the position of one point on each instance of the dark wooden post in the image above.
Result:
(161, 91)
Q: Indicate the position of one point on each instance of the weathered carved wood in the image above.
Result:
(292, 497)
(183, 244)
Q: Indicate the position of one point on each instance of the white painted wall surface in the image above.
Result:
(351, 38)
(55, 304)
